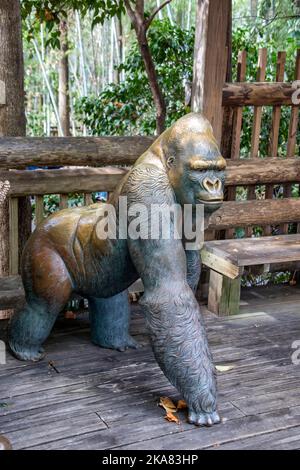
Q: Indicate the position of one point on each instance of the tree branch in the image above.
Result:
(151, 18)
(140, 7)
(130, 11)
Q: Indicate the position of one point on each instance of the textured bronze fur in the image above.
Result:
(65, 255)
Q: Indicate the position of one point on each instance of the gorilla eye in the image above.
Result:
(170, 161)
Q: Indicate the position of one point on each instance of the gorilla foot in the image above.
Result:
(204, 419)
(119, 344)
(27, 353)
(129, 343)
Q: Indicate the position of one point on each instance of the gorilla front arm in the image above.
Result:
(175, 325)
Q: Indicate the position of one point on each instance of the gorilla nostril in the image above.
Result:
(218, 185)
(212, 185)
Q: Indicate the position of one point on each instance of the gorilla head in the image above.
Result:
(193, 161)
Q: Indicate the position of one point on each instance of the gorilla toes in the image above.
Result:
(23, 353)
(204, 419)
(129, 343)
(119, 344)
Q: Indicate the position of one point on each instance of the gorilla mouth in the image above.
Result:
(210, 202)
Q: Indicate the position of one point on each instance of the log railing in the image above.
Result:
(21, 152)
(91, 153)
(261, 94)
(87, 180)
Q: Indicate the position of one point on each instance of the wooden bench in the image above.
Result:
(227, 260)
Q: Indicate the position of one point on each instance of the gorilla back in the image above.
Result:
(65, 254)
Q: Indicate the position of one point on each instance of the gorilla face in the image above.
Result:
(205, 183)
(195, 165)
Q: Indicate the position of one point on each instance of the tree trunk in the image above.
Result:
(63, 78)
(140, 25)
(12, 115)
(119, 33)
(158, 98)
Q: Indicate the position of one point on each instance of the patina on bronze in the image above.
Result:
(65, 255)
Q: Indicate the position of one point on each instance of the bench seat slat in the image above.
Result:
(255, 251)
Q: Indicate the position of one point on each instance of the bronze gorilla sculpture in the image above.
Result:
(65, 255)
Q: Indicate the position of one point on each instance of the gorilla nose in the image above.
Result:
(213, 186)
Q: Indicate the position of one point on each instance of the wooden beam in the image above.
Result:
(255, 213)
(62, 181)
(220, 264)
(258, 94)
(20, 152)
(231, 214)
(210, 60)
(68, 180)
(262, 171)
(2, 94)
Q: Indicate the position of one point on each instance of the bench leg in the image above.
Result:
(224, 294)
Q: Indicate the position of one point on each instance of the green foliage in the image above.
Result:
(127, 108)
(51, 12)
(250, 280)
(51, 202)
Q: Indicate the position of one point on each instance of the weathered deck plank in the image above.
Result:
(103, 399)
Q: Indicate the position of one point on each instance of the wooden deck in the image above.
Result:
(102, 399)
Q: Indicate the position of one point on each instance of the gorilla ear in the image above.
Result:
(170, 162)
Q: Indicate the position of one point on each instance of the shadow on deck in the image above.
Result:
(102, 399)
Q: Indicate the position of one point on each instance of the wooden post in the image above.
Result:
(237, 129)
(210, 60)
(13, 235)
(88, 199)
(12, 124)
(63, 201)
(274, 134)
(256, 128)
(2, 94)
(39, 209)
(224, 294)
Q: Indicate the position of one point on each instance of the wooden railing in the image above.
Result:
(96, 155)
(259, 95)
(87, 180)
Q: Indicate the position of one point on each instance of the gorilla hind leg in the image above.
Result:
(46, 296)
(29, 328)
(110, 322)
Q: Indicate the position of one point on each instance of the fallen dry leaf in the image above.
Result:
(224, 368)
(181, 405)
(167, 404)
(172, 418)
